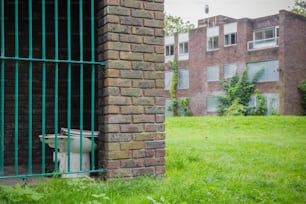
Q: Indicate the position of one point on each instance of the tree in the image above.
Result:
(173, 24)
(299, 7)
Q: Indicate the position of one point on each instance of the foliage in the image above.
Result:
(19, 194)
(302, 89)
(173, 24)
(174, 83)
(238, 94)
(236, 109)
(208, 160)
(184, 106)
(261, 107)
(299, 7)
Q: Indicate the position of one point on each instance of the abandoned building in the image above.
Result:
(222, 46)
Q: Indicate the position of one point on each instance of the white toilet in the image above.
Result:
(62, 155)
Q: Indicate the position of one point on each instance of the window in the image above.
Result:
(183, 39)
(264, 38)
(229, 70)
(213, 73)
(212, 103)
(212, 38)
(230, 39)
(183, 48)
(183, 79)
(168, 78)
(272, 102)
(183, 82)
(213, 43)
(230, 34)
(167, 107)
(271, 70)
(169, 50)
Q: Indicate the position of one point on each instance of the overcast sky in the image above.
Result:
(193, 10)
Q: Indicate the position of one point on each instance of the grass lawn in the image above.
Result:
(209, 160)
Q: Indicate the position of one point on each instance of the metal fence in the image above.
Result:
(43, 62)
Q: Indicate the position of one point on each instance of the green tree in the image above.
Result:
(173, 24)
(299, 7)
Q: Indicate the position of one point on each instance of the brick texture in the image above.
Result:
(131, 43)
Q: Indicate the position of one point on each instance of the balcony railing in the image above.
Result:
(262, 44)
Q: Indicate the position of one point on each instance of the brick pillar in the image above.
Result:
(131, 43)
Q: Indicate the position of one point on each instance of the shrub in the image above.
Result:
(238, 94)
(302, 88)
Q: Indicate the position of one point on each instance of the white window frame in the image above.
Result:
(169, 50)
(183, 46)
(212, 34)
(169, 42)
(230, 33)
(229, 42)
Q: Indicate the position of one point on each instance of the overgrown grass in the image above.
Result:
(209, 160)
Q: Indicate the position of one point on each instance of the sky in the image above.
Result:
(193, 10)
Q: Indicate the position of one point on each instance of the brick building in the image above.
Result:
(221, 46)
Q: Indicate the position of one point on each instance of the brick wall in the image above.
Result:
(131, 102)
(293, 52)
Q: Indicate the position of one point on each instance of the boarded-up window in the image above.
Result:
(183, 79)
(213, 73)
(212, 103)
(229, 70)
(271, 70)
(167, 107)
(168, 78)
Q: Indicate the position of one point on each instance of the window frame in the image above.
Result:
(211, 41)
(170, 48)
(230, 44)
(182, 49)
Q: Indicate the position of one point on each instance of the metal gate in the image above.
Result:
(17, 98)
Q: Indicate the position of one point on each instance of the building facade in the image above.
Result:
(222, 46)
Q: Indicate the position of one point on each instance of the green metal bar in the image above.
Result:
(81, 80)
(51, 60)
(2, 92)
(56, 84)
(43, 54)
(16, 88)
(30, 89)
(69, 78)
(92, 20)
(52, 174)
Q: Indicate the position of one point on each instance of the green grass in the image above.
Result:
(209, 160)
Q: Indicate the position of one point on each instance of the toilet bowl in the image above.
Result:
(62, 155)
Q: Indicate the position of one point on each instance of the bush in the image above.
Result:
(238, 94)
(302, 88)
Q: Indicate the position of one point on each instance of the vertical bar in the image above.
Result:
(56, 83)
(2, 93)
(69, 78)
(16, 88)
(30, 88)
(81, 80)
(43, 54)
(92, 20)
